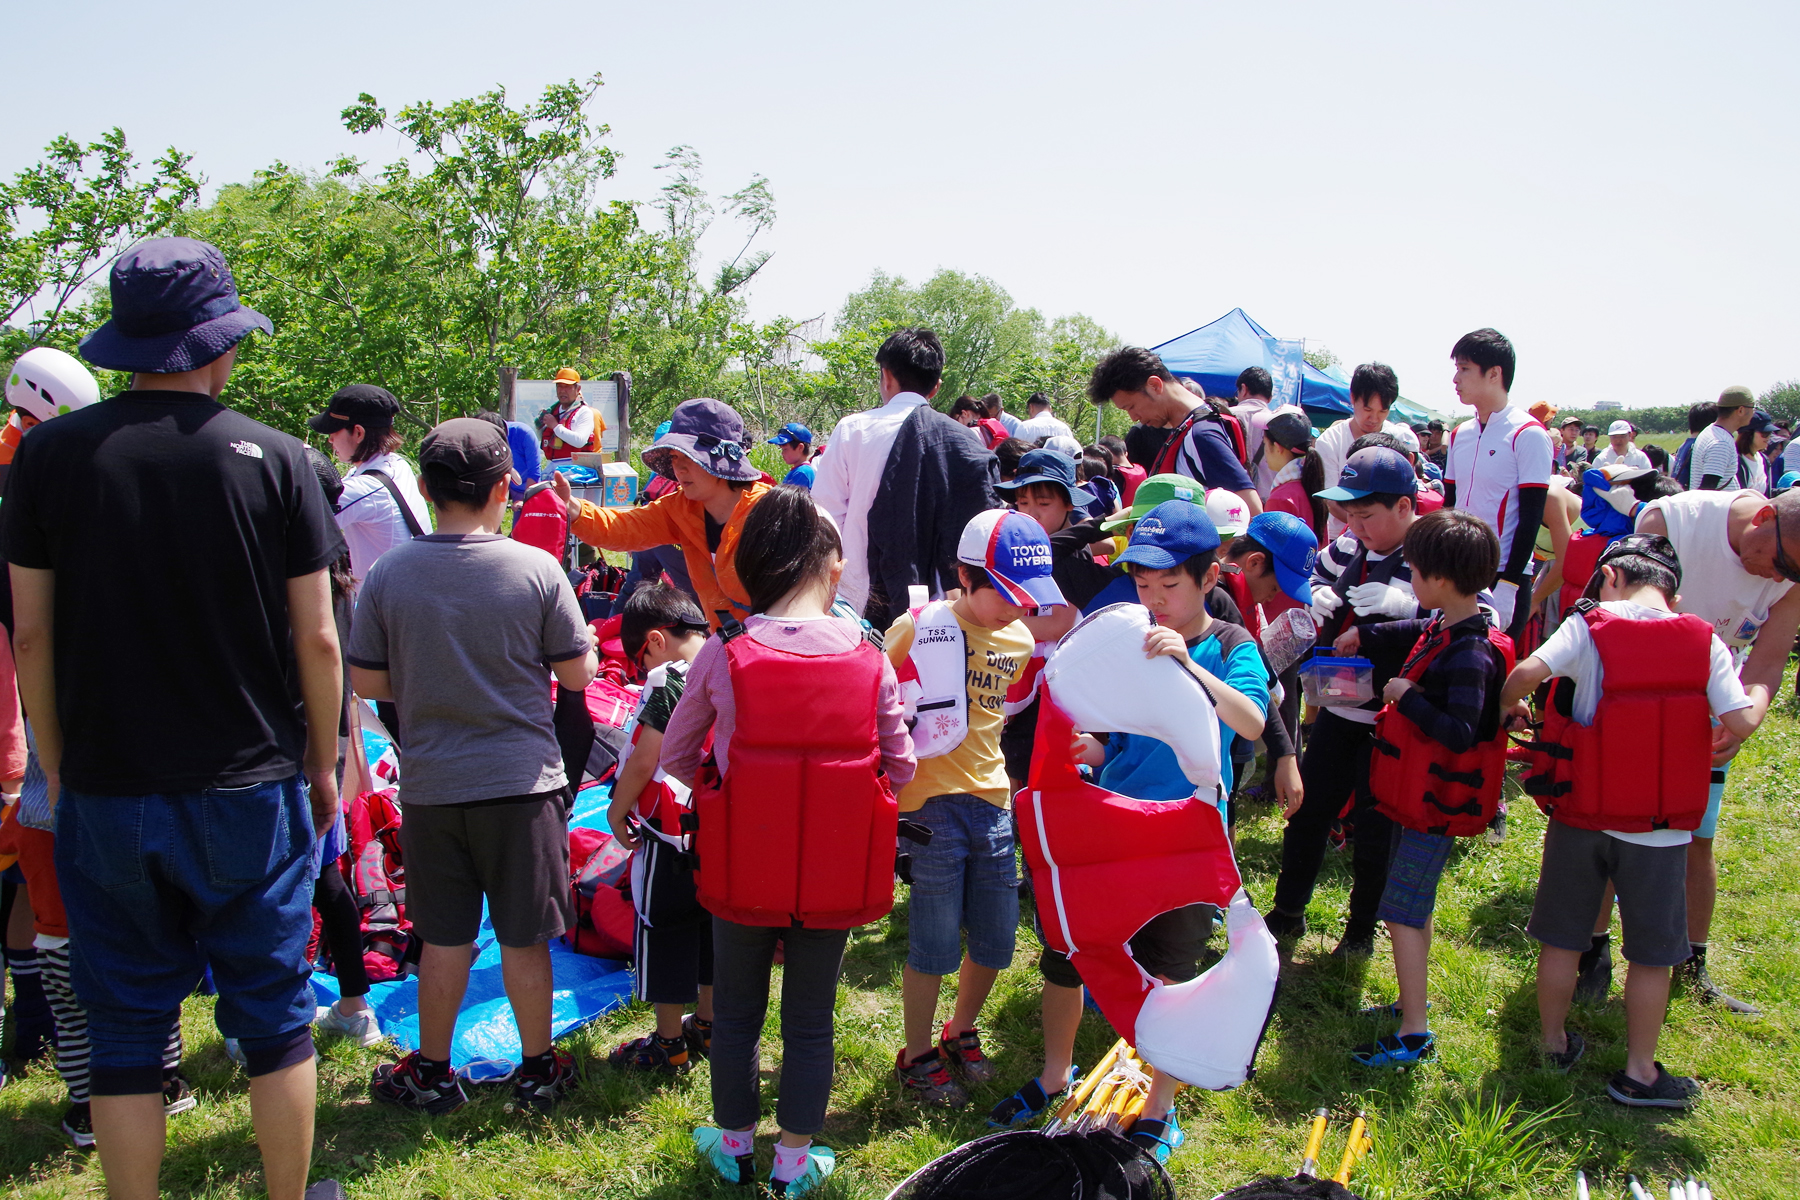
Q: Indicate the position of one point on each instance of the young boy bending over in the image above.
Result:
(672, 951)
(1447, 695)
(1631, 665)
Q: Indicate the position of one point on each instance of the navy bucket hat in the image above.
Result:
(708, 432)
(175, 308)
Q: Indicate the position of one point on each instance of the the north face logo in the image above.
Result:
(248, 449)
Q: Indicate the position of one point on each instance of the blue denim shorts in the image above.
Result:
(966, 880)
(1413, 873)
(159, 888)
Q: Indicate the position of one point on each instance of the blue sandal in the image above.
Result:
(1028, 1103)
(1158, 1139)
(1397, 1050)
(738, 1168)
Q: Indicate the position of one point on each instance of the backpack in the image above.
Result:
(604, 920)
(1233, 425)
(377, 877)
(543, 521)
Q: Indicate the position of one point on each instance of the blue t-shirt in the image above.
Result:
(802, 476)
(526, 455)
(1145, 768)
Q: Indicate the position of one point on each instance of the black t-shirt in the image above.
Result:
(173, 525)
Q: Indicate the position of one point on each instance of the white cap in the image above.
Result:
(1617, 428)
(45, 383)
(1064, 445)
(1408, 439)
(1227, 511)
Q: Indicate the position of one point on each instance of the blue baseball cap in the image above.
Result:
(1015, 552)
(1788, 480)
(1048, 466)
(1372, 471)
(1170, 534)
(792, 434)
(1292, 550)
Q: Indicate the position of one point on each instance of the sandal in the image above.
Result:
(698, 1034)
(1158, 1139)
(740, 1169)
(652, 1053)
(1397, 1050)
(1028, 1103)
(1571, 1054)
(1669, 1091)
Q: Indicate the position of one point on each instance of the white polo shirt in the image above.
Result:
(1489, 466)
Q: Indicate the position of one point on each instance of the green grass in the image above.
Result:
(1482, 1121)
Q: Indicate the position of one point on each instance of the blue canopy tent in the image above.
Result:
(1214, 355)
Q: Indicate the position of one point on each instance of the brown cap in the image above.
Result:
(466, 453)
(1737, 396)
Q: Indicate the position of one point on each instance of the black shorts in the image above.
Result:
(672, 948)
(1017, 738)
(514, 851)
(1169, 946)
(1650, 882)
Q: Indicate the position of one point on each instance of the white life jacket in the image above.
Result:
(664, 798)
(934, 689)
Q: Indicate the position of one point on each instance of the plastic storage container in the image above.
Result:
(1286, 639)
(1337, 682)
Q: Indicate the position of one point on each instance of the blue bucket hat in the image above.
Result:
(1375, 470)
(710, 433)
(792, 434)
(1048, 466)
(175, 308)
(1170, 534)
(1292, 550)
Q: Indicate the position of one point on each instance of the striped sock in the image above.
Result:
(71, 1022)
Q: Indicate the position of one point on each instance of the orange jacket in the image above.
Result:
(677, 520)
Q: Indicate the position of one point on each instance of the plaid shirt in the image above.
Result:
(1457, 698)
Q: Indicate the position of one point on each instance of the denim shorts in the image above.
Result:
(158, 888)
(1413, 873)
(965, 880)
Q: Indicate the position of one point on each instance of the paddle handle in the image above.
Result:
(1315, 1141)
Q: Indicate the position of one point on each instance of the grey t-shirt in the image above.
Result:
(466, 625)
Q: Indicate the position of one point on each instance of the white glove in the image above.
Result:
(1383, 600)
(1506, 596)
(1622, 498)
(1325, 602)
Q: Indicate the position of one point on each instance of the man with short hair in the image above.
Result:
(189, 788)
(1620, 451)
(1436, 448)
(1571, 457)
(1699, 417)
(1714, 465)
(1255, 389)
(1146, 391)
(1373, 389)
(1499, 466)
(569, 426)
(997, 412)
(1042, 423)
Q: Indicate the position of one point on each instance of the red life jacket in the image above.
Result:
(604, 920)
(1646, 761)
(377, 875)
(1239, 588)
(1579, 563)
(802, 828)
(1416, 780)
(1228, 421)
(557, 449)
(543, 521)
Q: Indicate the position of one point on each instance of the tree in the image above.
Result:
(1322, 358)
(64, 220)
(1782, 401)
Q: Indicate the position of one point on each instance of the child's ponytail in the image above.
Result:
(1312, 481)
(787, 540)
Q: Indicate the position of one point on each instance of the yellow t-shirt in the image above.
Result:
(997, 658)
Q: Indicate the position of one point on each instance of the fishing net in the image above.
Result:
(1289, 1188)
(1026, 1165)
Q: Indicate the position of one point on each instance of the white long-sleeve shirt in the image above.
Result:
(849, 474)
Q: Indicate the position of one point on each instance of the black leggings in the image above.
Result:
(1334, 768)
(340, 924)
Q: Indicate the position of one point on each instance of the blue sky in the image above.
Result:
(1612, 185)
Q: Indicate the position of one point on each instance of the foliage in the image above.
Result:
(1322, 358)
(1782, 400)
(65, 219)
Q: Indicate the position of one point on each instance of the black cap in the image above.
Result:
(1653, 546)
(467, 454)
(1289, 428)
(358, 404)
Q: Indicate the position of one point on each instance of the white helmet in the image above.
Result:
(46, 383)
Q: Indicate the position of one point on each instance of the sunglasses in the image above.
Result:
(717, 447)
(1784, 565)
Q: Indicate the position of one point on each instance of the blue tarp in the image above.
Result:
(1214, 355)
(586, 988)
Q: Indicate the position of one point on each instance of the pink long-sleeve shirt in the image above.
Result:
(707, 701)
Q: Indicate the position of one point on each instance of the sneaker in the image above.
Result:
(653, 1053)
(78, 1124)
(963, 1052)
(1594, 979)
(1357, 942)
(1496, 830)
(1336, 839)
(542, 1090)
(1028, 1103)
(1158, 1139)
(1571, 1053)
(178, 1097)
(1669, 1091)
(738, 1168)
(1397, 1050)
(360, 1027)
(698, 1034)
(820, 1162)
(405, 1084)
(325, 1189)
(928, 1079)
(1692, 973)
(1285, 927)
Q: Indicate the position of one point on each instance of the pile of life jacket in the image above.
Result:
(598, 870)
(1417, 780)
(377, 875)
